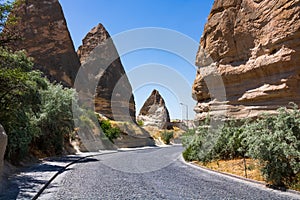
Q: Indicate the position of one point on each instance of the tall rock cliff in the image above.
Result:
(45, 37)
(154, 111)
(254, 47)
(100, 60)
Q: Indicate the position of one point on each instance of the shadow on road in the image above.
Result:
(29, 180)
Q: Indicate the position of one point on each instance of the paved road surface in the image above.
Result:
(155, 173)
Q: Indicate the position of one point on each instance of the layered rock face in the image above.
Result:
(248, 58)
(101, 63)
(154, 112)
(45, 36)
(132, 136)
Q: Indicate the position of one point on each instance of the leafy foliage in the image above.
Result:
(228, 145)
(110, 132)
(33, 111)
(5, 9)
(140, 123)
(274, 140)
(192, 141)
(198, 144)
(55, 119)
(20, 101)
(166, 136)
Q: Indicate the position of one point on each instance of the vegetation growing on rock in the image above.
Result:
(166, 136)
(110, 132)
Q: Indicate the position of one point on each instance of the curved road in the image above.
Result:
(154, 173)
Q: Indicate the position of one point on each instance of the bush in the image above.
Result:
(192, 140)
(206, 145)
(228, 144)
(166, 136)
(110, 132)
(187, 154)
(272, 139)
(275, 142)
(140, 123)
(195, 142)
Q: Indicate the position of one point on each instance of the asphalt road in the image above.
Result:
(157, 173)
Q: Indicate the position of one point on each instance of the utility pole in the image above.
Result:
(187, 113)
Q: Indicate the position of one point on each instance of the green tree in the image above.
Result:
(55, 119)
(19, 101)
(33, 111)
(5, 9)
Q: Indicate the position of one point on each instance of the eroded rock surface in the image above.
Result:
(103, 67)
(132, 136)
(42, 27)
(154, 112)
(253, 47)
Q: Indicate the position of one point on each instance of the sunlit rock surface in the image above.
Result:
(253, 48)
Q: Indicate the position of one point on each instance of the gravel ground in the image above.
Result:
(151, 174)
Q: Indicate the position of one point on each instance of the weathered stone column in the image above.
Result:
(3, 143)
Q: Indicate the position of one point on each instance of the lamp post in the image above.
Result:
(187, 113)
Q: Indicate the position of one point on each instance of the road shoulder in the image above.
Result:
(257, 184)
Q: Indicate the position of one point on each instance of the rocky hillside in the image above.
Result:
(254, 45)
(46, 38)
(154, 112)
(100, 60)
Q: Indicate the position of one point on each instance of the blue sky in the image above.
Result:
(186, 17)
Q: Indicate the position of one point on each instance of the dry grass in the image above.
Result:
(155, 134)
(236, 167)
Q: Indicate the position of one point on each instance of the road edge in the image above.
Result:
(40, 192)
(233, 176)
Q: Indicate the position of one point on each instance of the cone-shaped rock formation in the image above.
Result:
(154, 111)
(101, 61)
(44, 35)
